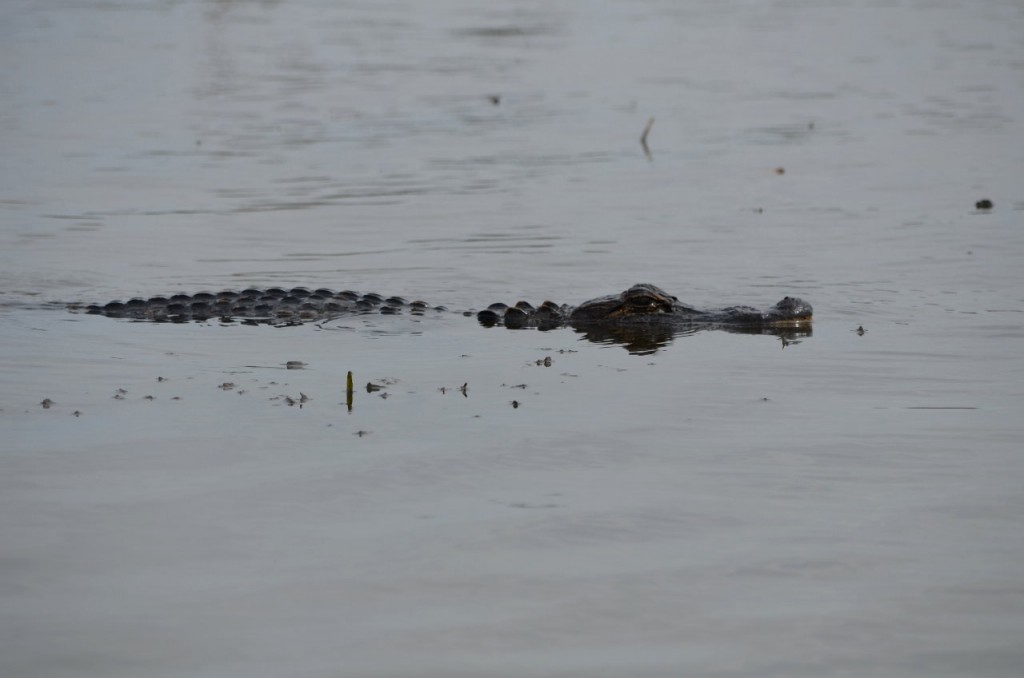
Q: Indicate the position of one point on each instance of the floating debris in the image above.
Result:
(77, 413)
(780, 170)
(47, 403)
(371, 387)
(227, 386)
(544, 362)
(464, 389)
(294, 365)
(515, 404)
(494, 98)
(643, 137)
(860, 330)
(983, 204)
(291, 402)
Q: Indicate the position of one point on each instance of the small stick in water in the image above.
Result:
(643, 137)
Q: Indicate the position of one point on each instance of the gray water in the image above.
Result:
(717, 505)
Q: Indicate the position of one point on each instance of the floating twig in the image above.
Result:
(643, 137)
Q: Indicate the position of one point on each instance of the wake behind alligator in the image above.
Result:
(642, 315)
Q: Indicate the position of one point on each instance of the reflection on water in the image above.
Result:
(648, 338)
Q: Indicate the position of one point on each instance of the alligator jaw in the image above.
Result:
(800, 322)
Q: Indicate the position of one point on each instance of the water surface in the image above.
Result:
(726, 505)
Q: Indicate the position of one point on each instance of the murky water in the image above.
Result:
(726, 505)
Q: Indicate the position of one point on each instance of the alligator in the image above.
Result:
(646, 304)
(642, 317)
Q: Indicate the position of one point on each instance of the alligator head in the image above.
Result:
(642, 301)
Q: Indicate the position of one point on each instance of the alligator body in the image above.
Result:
(273, 305)
(642, 317)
